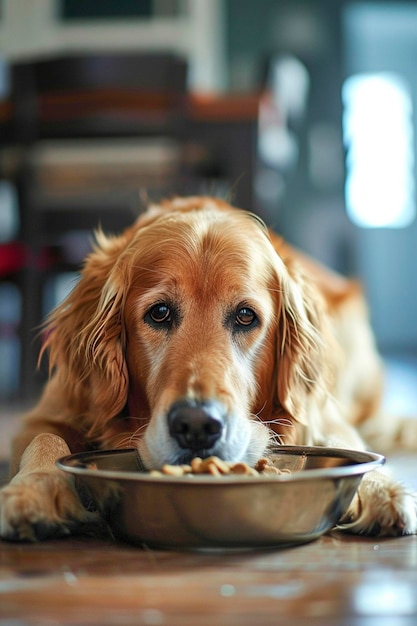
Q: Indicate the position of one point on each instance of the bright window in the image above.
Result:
(378, 136)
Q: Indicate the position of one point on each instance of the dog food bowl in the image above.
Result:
(203, 511)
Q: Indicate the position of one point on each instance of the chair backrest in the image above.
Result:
(99, 95)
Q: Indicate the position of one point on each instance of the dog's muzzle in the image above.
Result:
(196, 425)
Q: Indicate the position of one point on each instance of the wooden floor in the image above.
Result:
(337, 580)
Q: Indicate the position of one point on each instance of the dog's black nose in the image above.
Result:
(196, 425)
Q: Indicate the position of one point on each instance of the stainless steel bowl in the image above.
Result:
(229, 512)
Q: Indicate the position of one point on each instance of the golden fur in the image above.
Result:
(198, 302)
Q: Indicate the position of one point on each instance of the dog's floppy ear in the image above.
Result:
(85, 337)
(302, 350)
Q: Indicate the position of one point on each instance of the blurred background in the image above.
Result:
(303, 111)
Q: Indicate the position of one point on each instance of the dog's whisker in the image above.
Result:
(258, 414)
(126, 441)
(129, 439)
(279, 421)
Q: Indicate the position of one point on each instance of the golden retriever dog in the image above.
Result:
(198, 332)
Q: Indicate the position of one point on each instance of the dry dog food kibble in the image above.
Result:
(217, 467)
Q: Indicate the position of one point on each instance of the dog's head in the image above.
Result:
(193, 326)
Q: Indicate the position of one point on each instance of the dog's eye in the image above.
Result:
(160, 314)
(245, 316)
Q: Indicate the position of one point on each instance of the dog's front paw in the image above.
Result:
(381, 507)
(40, 505)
